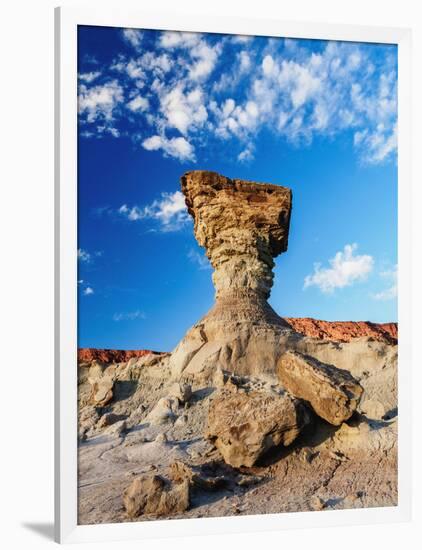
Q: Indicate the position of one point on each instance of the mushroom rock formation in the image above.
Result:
(242, 225)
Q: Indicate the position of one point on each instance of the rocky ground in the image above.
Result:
(151, 446)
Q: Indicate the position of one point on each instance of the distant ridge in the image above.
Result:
(344, 331)
(87, 355)
(338, 331)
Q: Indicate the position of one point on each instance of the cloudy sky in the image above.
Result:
(316, 116)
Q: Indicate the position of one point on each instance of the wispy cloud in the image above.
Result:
(133, 37)
(390, 292)
(183, 91)
(88, 257)
(129, 316)
(345, 268)
(199, 259)
(88, 291)
(98, 104)
(84, 255)
(169, 212)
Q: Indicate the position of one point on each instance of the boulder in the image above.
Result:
(154, 494)
(164, 411)
(331, 392)
(183, 392)
(245, 425)
(102, 391)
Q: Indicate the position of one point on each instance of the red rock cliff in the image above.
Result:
(86, 355)
(344, 331)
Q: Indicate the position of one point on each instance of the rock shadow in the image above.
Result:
(317, 431)
(123, 389)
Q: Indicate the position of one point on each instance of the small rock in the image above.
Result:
(249, 481)
(316, 503)
(118, 428)
(161, 438)
(102, 391)
(107, 420)
(181, 421)
(153, 494)
(164, 411)
(219, 378)
(183, 392)
(198, 476)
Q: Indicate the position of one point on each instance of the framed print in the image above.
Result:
(232, 275)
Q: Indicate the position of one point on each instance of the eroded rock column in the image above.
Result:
(243, 226)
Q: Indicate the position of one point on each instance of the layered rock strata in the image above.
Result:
(243, 226)
(344, 331)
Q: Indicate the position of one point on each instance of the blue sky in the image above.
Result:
(316, 116)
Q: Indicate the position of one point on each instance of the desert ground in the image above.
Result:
(151, 425)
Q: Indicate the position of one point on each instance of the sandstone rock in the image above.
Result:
(219, 378)
(117, 429)
(243, 226)
(107, 420)
(102, 391)
(316, 503)
(181, 421)
(161, 438)
(183, 392)
(244, 426)
(153, 494)
(332, 393)
(164, 411)
(202, 476)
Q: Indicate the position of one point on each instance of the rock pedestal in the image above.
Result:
(242, 225)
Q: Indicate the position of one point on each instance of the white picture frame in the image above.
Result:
(66, 23)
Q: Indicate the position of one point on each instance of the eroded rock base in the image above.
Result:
(152, 427)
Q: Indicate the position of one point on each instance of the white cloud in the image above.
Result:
(84, 255)
(88, 291)
(184, 111)
(89, 77)
(129, 316)
(246, 155)
(268, 66)
(205, 60)
(241, 38)
(391, 291)
(178, 147)
(345, 269)
(245, 61)
(283, 87)
(138, 103)
(170, 212)
(199, 259)
(133, 37)
(172, 39)
(99, 102)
